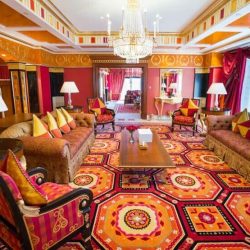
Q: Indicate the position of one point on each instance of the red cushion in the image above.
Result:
(104, 118)
(244, 128)
(184, 119)
(189, 108)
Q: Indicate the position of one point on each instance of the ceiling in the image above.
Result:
(79, 26)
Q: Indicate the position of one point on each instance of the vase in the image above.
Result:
(132, 139)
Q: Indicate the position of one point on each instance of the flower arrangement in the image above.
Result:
(132, 128)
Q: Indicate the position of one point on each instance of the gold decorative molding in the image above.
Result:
(30, 67)
(56, 70)
(213, 60)
(202, 71)
(176, 61)
(16, 66)
(26, 54)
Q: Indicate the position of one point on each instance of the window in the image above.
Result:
(245, 100)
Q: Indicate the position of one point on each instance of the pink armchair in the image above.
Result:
(65, 216)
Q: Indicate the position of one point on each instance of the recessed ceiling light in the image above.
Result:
(3, 55)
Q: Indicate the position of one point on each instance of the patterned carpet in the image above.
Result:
(126, 108)
(203, 205)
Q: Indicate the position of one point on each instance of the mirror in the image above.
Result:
(171, 82)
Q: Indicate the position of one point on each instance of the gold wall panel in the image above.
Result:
(22, 53)
(176, 61)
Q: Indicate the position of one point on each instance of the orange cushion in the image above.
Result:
(69, 118)
(61, 122)
(39, 130)
(188, 108)
(53, 128)
(244, 128)
(32, 194)
(97, 106)
(241, 117)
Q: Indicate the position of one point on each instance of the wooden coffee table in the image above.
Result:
(131, 156)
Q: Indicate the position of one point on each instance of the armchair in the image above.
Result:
(64, 217)
(190, 118)
(103, 115)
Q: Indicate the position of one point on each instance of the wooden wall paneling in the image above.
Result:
(24, 92)
(16, 91)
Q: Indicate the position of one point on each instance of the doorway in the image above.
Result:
(108, 93)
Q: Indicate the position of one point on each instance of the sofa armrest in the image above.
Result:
(216, 122)
(45, 146)
(84, 119)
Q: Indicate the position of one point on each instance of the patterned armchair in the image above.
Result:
(65, 217)
(187, 114)
(103, 115)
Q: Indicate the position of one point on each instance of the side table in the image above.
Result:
(205, 112)
(73, 109)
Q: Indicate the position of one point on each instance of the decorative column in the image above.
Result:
(19, 87)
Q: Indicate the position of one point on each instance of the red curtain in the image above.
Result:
(234, 69)
(116, 80)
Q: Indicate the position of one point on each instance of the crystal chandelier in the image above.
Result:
(134, 41)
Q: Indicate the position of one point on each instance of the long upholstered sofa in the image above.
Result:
(228, 145)
(60, 156)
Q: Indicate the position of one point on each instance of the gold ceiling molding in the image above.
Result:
(16, 66)
(176, 61)
(186, 61)
(30, 67)
(23, 53)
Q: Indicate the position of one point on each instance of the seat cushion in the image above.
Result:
(189, 120)
(233, 141)
(104, 118)
(54, 190)
(76, 138)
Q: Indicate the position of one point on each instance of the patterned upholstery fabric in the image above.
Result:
(244, 128)
(184, 119)
(97, 106)
(54, 191)
(55, 224)
(5, 211)
(45, 226)
(9, 237)
(104, 118)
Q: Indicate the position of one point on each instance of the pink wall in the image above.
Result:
(154, 89)
(83, 77)
(43, 80)
(188, 82)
